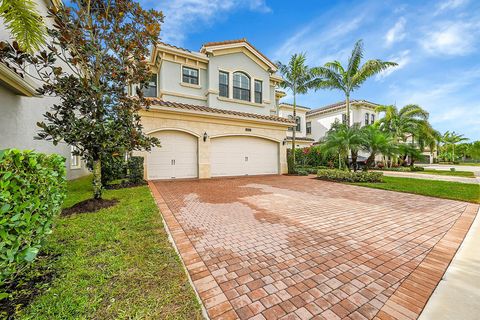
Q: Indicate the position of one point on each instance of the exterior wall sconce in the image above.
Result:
(284, 141)
(205, 136)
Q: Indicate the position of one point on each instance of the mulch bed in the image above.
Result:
(90, 205)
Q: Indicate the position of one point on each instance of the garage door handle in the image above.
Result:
(172, 162)
(246, 159)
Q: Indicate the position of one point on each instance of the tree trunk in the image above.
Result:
(295, 127)
(347, 109)
(354, 160)
(97, 179)
(370, 160)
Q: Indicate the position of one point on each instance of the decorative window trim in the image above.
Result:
(367, 119)
(191, 68)
(298, 122)
(372, 118)
(242, 90)
(221, 84)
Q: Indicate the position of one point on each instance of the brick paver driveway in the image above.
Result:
(299, 248)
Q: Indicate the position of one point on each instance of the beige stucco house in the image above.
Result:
(21, 108)
(215, 112)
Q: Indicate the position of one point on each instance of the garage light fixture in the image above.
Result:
(284, 141)
(205, 136)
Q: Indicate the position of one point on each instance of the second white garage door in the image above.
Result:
(243, 155)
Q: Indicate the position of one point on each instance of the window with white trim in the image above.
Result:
(151, 90)
(373, 119)
(189, 75)
(367, 118)
(258, 91)
(309, 127)
(290, 117)
(344, 118)
(223, 84)
(298, 121)
(241, 86)
(74, 159)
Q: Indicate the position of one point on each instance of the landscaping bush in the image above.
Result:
(349, 176)
(32, 190)
(310, 169)
(417, 169)
(135, 169)
(302, 172)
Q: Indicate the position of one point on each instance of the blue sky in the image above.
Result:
(435, 43)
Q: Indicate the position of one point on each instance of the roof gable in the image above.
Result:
(241, 45)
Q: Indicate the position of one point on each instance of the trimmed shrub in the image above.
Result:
(135, 169)
(349, 176)
(32, 190)
(310, 169)
(414, 169)
(452, 169)
(302, 172)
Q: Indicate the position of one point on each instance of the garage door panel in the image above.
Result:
(176, 158)
(243, 155)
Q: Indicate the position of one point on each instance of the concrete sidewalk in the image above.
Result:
(426, 176)
(457, 296)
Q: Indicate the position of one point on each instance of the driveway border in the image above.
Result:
(408, 301)
(215, 304)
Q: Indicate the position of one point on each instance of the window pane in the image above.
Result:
(298, 127)
(373, 118)
(223, 78)
(367, 116)
(223, 84)
(223, 90)
(241, 86)
(258, 91)
(151, 90)
(190, 75)
(309, 127)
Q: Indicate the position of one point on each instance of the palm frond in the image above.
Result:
(355, 58)
(24, 22)
(368, 69)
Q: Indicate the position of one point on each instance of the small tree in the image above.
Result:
(376, 142)
(344, 139)
(98, 49)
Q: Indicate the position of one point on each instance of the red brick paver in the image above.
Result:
(282, 247)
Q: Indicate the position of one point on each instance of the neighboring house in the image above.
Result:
(215, 113)
(301, 130)
(21, 108)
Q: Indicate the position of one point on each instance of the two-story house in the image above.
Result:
(214, 112)
(21, 108)
(301, 129)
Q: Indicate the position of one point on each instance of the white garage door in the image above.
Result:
(176, 158)
(242, 155)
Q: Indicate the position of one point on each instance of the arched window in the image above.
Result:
(367, 118)
(241, 86)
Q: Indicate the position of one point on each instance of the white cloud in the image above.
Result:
(450, 4)
(186, 16)
(403, 58)
(451, 39)
(396, 33)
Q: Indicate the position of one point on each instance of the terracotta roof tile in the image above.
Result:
(174, 47)
(291, 104)
(184, 106)
(338, 104)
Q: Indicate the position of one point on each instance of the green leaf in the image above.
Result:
(4, 295)
(30, 254)
(5, 208)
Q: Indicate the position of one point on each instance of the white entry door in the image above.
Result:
(176, 158)
(243, 155)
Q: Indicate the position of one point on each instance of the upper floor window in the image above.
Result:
(190, 75)
(373, 119)
(258, 91)
(344, 118)
(367, 118)
(309, 127)
(241, 86)
(290, 117)
(223, 84)
(298, 121)
(151, 90)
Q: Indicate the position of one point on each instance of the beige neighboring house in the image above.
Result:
(301, 130)
(21, 108)
(215, 113)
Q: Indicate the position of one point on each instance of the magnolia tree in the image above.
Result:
(97, 49)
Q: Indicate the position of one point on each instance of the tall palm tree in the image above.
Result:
(353, 76)
(343, 139)
(377, 142)
(24, 22)
(298, 78)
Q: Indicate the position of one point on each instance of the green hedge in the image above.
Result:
(115, 168)
(310, 169)
(349, 176)
(32, 190)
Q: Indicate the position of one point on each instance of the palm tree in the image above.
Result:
(402, 123)
(24, 22)
(452, 139)
(376, 142)
(348, 79)
(298, 78)
(343, 139)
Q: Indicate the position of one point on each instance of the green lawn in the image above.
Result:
(433, 188)
(465, 174)
(116, 263)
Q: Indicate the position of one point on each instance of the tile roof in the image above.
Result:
(244, 40)
(184, 106)
(14, 69)
(338, 104)
(174, 47)
(291, 104)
